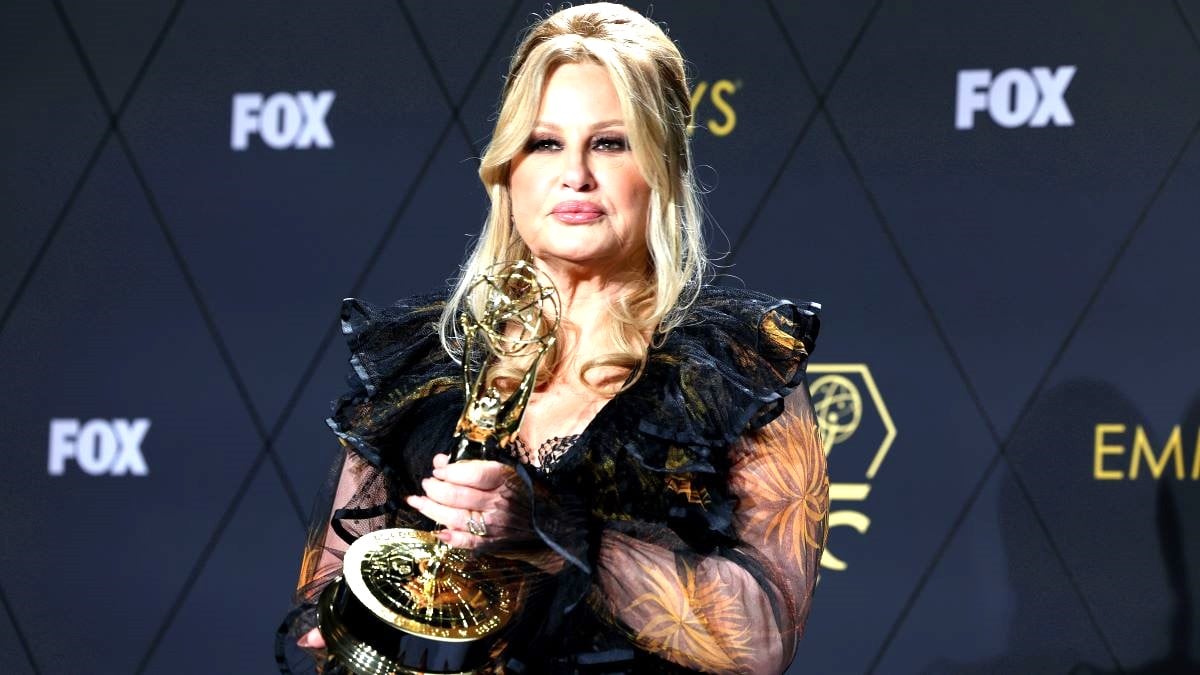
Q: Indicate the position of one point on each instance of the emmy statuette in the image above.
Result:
(406, 602)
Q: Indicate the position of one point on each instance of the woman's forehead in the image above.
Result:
(579, 93)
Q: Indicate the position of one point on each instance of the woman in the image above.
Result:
(669, 449)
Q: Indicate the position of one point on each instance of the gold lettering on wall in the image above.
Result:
(711, 107)
(1117, 457)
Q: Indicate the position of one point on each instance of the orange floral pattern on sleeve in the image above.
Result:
(731, 613)
(783, 486)
(685, 616)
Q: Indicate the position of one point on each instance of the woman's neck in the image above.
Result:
(586, 295)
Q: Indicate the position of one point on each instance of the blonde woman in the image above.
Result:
(668, 477)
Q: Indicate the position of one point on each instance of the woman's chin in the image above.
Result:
(580, 258)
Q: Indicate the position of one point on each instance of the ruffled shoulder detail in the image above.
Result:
(392, 341)
(728, 369)
(398, 364)
(725, 372)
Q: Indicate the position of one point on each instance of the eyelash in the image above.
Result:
(619, 143)
(602, 143)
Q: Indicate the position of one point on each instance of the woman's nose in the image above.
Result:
(577, 175)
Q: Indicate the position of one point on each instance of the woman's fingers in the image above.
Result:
(489, 526)
(460, 492)
(459, 539)
(449, 516)
(458, 496)
(479, 474)
(312, 640)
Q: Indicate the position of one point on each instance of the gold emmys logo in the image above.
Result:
(1116, 456)
(860, 428)
(708, 96)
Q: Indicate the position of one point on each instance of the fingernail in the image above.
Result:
(412, 500)
(425, 483)
(439, 473)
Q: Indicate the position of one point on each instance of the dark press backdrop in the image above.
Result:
(995, 201)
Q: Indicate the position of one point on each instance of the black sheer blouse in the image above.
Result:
(681, 530)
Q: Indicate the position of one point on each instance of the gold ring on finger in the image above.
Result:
(477, 526)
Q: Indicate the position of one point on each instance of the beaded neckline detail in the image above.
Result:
(546, 456)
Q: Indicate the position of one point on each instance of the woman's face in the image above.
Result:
(578, 196)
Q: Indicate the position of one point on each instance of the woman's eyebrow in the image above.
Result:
(605, 124)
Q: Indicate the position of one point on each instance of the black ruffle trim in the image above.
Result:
(394, 347)
(723, 373)
(397, 361)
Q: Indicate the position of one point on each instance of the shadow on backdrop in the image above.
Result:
(1096, 526)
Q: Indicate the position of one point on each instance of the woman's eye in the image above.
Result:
(611, 144)
(542, 145)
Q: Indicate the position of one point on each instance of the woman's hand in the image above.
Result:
(476, 501)
(312, 640)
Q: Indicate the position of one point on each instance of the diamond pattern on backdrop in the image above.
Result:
(478, 105)
(1135, 316)
(1058, 489)
(820, 32)
(13, 641)
(213, 198)
(1004, 224)
(997, 602)
(252, 340)
(441, 216)
(817, 239)
(467, 46)
(117, 338)
(225, 599)
(736, 92)
(116, 37)
(357, 256)
(1189, 15)
(838, 52)
(53, 126)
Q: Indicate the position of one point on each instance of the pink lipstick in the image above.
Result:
(576, 212)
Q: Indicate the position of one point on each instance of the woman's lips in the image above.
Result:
(574, 213)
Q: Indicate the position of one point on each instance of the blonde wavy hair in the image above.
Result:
(648, 73)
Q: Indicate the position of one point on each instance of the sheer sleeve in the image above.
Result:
(394, 417)
(353, 502)
(344, 513)
(738, 608)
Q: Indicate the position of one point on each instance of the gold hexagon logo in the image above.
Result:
(855, 422)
